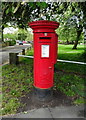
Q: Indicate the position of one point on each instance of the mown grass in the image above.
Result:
(72, 85)
(69, 78)
(17, 81)
(66, 52)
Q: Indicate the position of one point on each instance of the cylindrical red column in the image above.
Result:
(45, 47)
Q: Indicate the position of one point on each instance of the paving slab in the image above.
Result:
(68, 112)
(36, 113)
(56, 112)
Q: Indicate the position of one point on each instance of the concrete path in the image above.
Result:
(4, 52)
(57, 112)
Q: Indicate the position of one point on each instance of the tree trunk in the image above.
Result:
(67, 42)
(2, 34)
(84, 41)
(75, 44)
(77, 39)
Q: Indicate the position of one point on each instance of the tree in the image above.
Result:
(23, 12)
(78, 23)
(74, 15)
(29, 36)
(68, 14)
(20, 13)
(82, 6)
(21, 34)
(67, 34)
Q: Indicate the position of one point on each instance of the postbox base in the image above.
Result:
(43, 94)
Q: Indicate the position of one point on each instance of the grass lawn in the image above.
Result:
(17, 82)
(65, 52)
(69, 79)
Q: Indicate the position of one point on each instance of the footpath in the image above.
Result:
(56, 112)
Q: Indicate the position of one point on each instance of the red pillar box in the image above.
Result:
(45, 55)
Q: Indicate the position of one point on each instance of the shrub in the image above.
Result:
(10, 43)
(13, 42)
(3, 44)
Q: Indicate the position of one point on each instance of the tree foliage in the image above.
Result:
(21, 34)
(74, 20)
(69, 14)
(23, 12)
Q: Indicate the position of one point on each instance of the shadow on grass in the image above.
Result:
(72, 57)
(71, 67)
(18, 84)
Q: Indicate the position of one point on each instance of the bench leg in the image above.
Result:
(23, 51)
(13, 58)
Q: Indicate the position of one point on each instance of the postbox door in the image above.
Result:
(44, 73)
(43, 61)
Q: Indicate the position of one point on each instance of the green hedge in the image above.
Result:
(11, 43)
(8, 43)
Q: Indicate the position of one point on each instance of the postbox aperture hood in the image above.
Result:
(44, 26)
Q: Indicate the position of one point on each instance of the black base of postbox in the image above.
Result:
(43, 94)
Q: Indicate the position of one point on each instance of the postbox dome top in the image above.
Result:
(43, 24)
